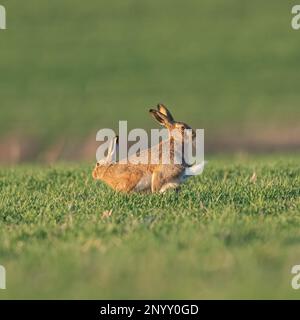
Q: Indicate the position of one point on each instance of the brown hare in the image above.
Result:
(150, 177)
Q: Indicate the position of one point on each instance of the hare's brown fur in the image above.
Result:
(147, 177)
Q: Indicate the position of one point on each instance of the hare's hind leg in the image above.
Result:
(163, 179)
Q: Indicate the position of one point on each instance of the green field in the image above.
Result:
(224, 235)
(71, 67)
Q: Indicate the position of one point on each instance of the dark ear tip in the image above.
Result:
(152, 110)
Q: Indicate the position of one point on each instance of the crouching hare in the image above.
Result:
(149, 177)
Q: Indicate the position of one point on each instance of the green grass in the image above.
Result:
(70, 67)
(222, 236)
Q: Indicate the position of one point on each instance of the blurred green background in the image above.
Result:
(69, 68)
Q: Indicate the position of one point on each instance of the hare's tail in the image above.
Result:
(195, 169)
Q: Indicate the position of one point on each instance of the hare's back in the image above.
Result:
(128, 178)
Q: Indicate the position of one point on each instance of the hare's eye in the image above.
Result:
(98, 164)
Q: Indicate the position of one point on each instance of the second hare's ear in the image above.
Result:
(162, 109)
(160, 117)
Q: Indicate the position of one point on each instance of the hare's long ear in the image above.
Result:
(160, 117)
(162, 109)
(111, 154)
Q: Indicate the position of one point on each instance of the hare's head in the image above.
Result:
(177, 129)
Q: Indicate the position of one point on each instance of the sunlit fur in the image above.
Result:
(148, 177)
